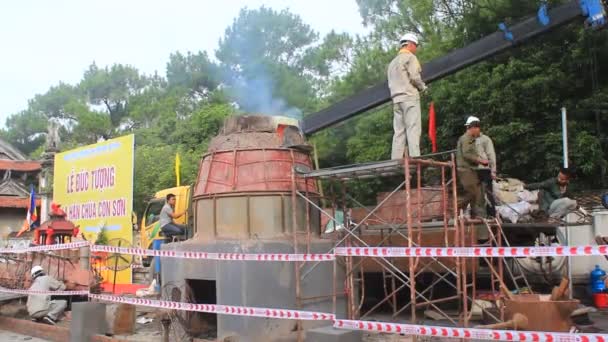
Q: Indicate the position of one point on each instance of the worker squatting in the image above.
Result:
(100, 179)
(93, 210)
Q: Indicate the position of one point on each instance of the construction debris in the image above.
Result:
(518, 322)
(543, 313)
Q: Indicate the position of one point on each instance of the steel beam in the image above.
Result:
(444, 66)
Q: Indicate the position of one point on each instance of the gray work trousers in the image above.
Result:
(469, 179)
(562, 207)
(56, 308)
(407, 123)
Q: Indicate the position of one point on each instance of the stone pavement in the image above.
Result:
(9, 336)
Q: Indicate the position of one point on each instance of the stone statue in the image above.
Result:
(52, 136)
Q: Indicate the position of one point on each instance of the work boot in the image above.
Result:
(48, 320)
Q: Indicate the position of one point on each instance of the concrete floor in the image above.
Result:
(152, 333)
(13, 337)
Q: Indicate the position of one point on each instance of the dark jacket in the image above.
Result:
(549, 192)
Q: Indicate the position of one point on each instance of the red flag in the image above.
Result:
(432, 127)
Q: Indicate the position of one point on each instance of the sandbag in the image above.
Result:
(515, 211)
(528, 196)
(507, 189)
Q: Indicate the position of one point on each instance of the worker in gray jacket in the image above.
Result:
(405, 84)
(487, 173)
(40, 306)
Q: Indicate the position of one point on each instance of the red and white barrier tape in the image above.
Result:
(46, 293)
(213, 256)
(474, 252)
(378, 327)
(396, 252)
(468, 333)
(45, 248)
(219, 309)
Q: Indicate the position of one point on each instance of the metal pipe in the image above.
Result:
(565, 150)
(294, 223)
(569, 261)
(419, 210)
(307, 208)
(444, 204)
(115, 269)
(353, 312)
(408, 209)
(565, 135)
(334, 304)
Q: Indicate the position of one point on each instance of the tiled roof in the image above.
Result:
(20, 165)
(16, 202)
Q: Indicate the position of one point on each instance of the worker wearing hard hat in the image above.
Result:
(468, 161)
(405, 84)
(486, 173)
(40, 306)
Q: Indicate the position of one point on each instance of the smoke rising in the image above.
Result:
(254, 92)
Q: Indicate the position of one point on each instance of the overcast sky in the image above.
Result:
(44, 42)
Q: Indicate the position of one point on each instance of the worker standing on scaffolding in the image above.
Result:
(468, 161)
(487, 173)
(405, 84)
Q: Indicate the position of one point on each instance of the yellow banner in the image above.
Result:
(94, 185)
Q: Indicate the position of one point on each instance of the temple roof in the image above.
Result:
(7, 151)
(13, 187)
(23, 166)
(12, 159)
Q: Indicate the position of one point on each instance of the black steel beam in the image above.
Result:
(443, 66)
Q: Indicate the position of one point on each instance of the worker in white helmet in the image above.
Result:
(405, 84)
(40, 306)
(468, 162)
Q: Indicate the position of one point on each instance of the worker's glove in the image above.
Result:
(424, 89)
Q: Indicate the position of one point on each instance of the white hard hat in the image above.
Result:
(409, 37)
(36, 269)
(471, 119)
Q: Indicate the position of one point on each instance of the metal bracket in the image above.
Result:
(543, 15)
(507, 33)
(595, 11)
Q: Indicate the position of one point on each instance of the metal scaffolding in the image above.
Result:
(408, 227)
(418, 216)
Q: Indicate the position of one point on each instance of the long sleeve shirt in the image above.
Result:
(550, 190)
(37, 303)
(404, 79)
(485, 147)
(467, 156)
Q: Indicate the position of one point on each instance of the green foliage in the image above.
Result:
(25, 130)
(265, 35)
(194, 72)
(102, 237)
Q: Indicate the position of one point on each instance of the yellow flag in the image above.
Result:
(177, 166)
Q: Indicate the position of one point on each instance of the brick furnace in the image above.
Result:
(242, 203)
